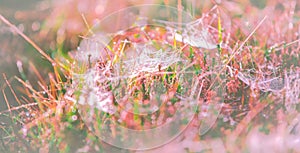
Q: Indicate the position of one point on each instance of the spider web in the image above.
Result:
(147, 59)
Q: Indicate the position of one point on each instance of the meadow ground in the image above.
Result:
(178, 76)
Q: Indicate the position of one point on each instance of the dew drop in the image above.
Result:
(24, 131)
(73, 109)
(74, 117)
(154, 108)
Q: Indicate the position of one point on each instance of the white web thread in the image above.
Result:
(94, 82)
(195, 33)
(265, 82)
(290, 84)
(148, 60)
(94, 88)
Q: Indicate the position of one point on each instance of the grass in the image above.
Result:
(249, 84)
